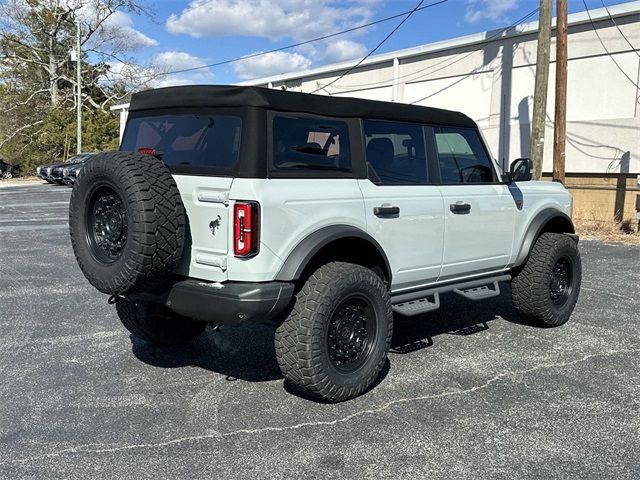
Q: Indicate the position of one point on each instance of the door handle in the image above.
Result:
(460, 207)
(384, 210)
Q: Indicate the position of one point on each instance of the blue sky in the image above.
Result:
(192, 33)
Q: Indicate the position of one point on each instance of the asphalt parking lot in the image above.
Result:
(469, 392)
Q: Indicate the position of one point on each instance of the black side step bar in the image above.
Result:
(421, 301)
(479, 293)
(417, 306)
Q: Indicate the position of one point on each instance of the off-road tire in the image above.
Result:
(156, 324)
(155, 222)
(530, 289)
(302, 339)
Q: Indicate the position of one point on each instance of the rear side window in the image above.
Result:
(396, 152)
(462, 157)
(310, 144)
(187, 140)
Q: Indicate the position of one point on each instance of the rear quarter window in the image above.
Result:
(306, 143)
(187, 140)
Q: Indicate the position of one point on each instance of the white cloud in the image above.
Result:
(341, 50)
(123, 24)
(154, 74)
(273, 19)
(131, 76)
(172, 60)
(270, 64)
(495, 10)
(117, 30)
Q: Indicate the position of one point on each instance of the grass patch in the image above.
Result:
(611, 232)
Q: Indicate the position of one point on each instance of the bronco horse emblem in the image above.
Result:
(215, 224)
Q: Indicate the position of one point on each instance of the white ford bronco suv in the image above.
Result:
(241, 205)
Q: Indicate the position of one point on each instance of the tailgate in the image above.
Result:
(206, 201)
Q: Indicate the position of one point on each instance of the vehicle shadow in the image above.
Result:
(248, 353)
(238, 353)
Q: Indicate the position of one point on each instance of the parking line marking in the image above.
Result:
(42, 204)
(18, 228)
(36, 220)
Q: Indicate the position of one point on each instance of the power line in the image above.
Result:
(487, 40)
(299, 44)
(620, 30)
(595, 30)
(379, 44)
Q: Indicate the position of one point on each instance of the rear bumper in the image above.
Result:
(230, 303)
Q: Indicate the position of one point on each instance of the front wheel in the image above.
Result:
(156, 324)
(546, 290)
(334, 343)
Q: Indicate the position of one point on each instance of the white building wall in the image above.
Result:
(492, 82)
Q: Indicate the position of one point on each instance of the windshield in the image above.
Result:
(190, 140)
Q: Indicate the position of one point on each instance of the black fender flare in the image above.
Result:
(304, 252)
(535, 228)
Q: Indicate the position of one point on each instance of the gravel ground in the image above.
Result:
(469, 391)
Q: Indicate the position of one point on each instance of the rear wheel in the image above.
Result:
(156, 324)
(334, 343)
(546, 290)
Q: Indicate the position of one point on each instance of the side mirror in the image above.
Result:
(521, 170)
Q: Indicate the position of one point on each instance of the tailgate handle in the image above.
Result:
(384, 210)
(213, 197)
(460, 207)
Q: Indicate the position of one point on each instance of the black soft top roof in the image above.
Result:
(235, 96)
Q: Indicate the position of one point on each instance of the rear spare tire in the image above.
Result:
(127, 222)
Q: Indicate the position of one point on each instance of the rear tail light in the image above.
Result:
(246, 229)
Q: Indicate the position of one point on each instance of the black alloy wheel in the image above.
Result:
(351, 334)
(107, 224)
(561, 283)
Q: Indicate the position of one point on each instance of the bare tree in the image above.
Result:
(41, 33)
(38, 78)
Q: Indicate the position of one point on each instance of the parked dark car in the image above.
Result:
(70, 173)
(54, 172)
(43, 172)
(71, 170)
(7, 170)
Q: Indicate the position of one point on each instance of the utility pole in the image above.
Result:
(78, 89)
(560, 121)
(540, 93)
